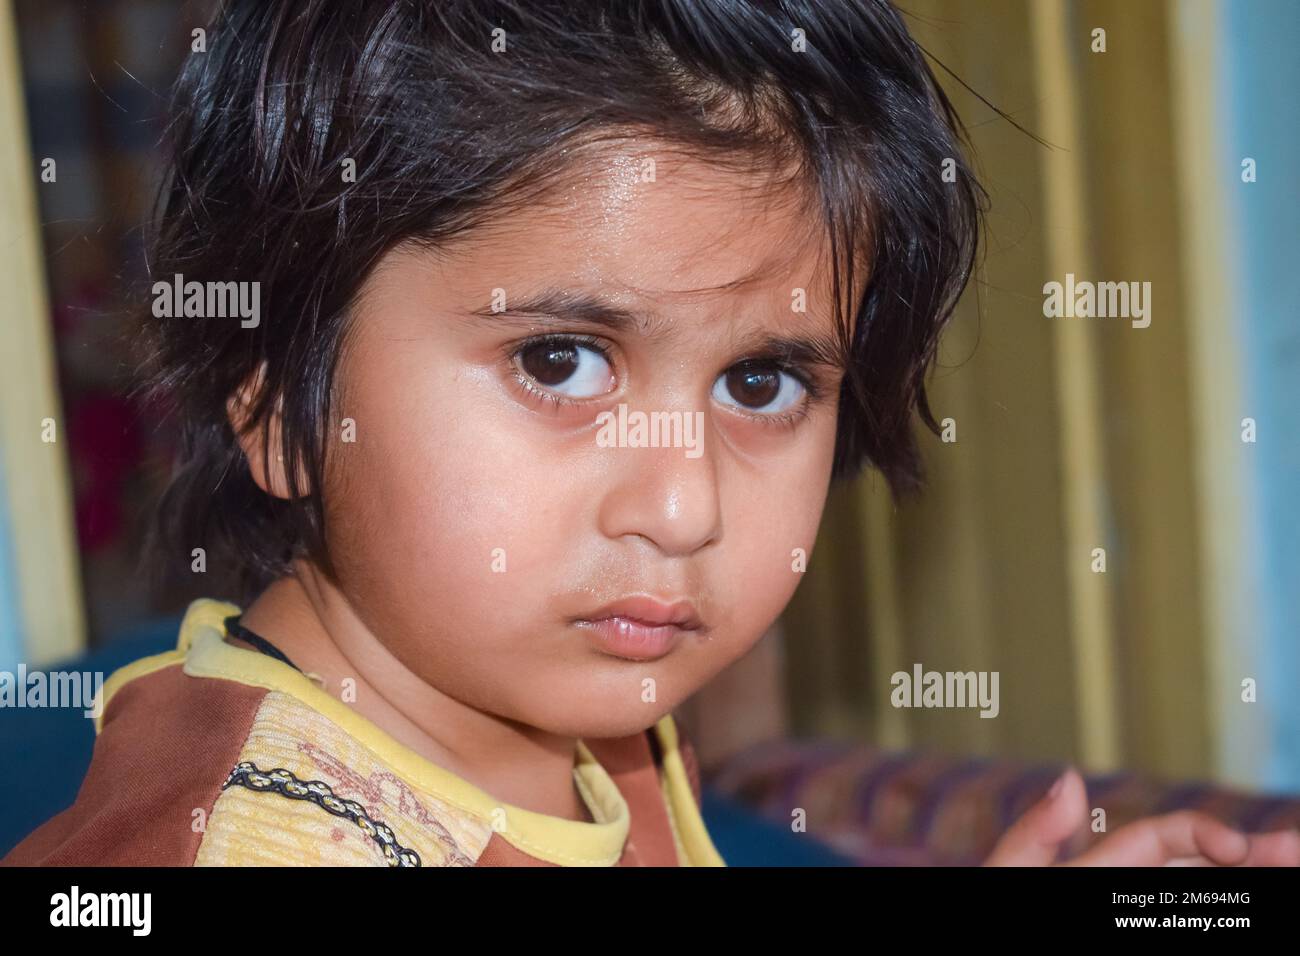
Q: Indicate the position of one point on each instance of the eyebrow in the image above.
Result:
(564, 306)
(793, 349)
(561, 306)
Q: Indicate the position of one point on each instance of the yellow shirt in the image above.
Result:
(217, 755)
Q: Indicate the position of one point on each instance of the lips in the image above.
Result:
(641, 627)
(651, 612)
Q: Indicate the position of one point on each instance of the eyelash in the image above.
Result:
(790, 419)
(532, 388)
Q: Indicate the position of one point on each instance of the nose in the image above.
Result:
(664, 495)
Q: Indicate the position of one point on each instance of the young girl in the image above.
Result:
(475, 231)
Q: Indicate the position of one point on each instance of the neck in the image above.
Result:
(306, 617)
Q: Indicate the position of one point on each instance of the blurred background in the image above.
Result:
(1171, 158)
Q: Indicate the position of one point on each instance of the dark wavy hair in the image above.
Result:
(445, 132)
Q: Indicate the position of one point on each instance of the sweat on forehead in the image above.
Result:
(658, 220)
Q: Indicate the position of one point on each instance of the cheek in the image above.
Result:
(772, 535)
(772, 527)
(437, 509)
(443, 501)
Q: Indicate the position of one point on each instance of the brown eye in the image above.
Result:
(550, 364)
(756, 387)
(568, 367)
(753, 388)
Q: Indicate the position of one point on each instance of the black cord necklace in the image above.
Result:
(236, 629)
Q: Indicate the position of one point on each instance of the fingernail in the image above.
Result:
(1056, 787)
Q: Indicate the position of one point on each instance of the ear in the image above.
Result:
(260, 444)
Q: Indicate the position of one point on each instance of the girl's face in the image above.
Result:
(507, 544)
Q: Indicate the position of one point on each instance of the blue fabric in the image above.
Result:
(45, 753)
(746, 839)
(45, 750)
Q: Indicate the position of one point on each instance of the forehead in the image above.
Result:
(647, 224)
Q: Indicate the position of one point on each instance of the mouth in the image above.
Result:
(640, 628)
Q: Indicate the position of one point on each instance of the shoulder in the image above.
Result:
(167, 742)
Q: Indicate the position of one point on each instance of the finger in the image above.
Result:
(1279, 848)
(1209, 836)
(1157, 840)
(1035, 838)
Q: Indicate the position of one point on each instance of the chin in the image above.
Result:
(597, 724)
